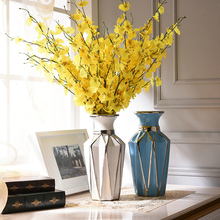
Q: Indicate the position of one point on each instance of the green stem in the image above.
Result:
(171, 28)
(59, 81)
(118, 84)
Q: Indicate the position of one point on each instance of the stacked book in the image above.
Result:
(32, 193)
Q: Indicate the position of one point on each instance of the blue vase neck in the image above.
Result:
(149, 118)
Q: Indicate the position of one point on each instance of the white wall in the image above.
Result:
(189, 95)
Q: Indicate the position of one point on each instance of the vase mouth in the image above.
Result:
(149, 112)
(106, 115)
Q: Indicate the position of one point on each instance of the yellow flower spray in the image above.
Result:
(106, 71)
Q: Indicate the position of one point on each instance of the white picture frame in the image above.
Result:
(56, 147)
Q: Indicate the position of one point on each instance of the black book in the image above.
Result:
(18, 185)
(35, 201)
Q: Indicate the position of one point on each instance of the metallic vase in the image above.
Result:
(104, 158)
(149, 153)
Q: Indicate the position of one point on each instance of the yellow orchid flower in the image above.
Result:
(58, 30)
(158, 81)
(164, 54)
(121, 19)
(125, 6)
(83, 73)
(92, 30)
(69, 30)
(156, 16)
(40, 28)
(87, 21)
(147, 87)
(127, 25)
(87, 59)
(94, 84)
(49, 76)
(82, 27)
(131, 34)
(82, 3)
(153, 67)
(108, 69)
(152, 81)
(169, 37)
(80, 100)
(119, 29)
(59, 41)
(160, 8)
(106, 96)
(40, 66)
(138, 52)
(90, 103)
(18, 40)
(77, 16)
(159, 44)
(29, 48)
(176, 29)
(29, 21)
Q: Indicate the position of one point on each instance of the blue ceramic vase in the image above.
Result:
(149, 152)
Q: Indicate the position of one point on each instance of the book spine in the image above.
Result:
(32, 186)
(32, 202)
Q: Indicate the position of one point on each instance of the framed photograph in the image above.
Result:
(63, 157)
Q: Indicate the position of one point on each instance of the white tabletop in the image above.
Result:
(202, 196)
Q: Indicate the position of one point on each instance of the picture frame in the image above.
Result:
(63, 156)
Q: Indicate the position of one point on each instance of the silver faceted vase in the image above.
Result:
(104, 159)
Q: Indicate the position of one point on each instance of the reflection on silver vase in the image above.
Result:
(104, 158)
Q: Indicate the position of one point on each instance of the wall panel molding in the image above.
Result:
(158, 103)
(185, 103)
(194, 175)
(194, 137)
(176, 79)
(196, 81)
(194, 172)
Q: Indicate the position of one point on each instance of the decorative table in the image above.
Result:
(179, 202)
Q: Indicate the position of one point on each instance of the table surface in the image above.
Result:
(202, 196)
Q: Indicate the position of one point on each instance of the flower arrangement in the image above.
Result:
(107, 70)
